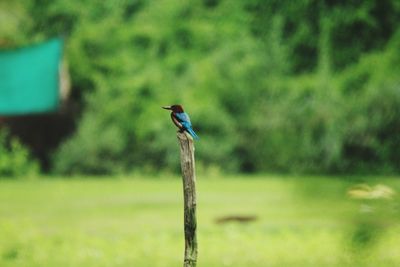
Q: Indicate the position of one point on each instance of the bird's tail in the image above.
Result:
(192, 133)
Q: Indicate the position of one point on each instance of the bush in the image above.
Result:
(15, 160)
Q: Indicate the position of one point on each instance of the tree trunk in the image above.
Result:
(189, 192)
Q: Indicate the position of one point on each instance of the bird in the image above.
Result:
(181, 119)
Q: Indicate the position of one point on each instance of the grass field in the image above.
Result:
(138, 222)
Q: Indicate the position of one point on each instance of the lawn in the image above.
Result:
(137, 222)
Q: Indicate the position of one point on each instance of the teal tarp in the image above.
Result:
(29, 78)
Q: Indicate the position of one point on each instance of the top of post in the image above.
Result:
(184, 136)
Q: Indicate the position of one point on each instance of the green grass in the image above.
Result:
(138, 222)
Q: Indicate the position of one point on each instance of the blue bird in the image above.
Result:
(181, 119)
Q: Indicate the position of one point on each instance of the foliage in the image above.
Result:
(299, 86)
(15, 160)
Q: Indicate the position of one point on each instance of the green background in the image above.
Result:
(271, 86)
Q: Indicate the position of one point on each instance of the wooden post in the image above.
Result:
(189, 193)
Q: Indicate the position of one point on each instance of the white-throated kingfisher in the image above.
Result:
(181, 119)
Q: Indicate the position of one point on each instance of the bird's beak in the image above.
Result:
(167, 107)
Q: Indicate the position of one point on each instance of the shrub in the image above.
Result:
(15, 160)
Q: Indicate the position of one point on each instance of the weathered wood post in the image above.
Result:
(189, 193)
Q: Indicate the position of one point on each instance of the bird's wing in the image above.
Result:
(183, 117)
(176, 121)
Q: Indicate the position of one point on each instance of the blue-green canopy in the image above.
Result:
(29, 78)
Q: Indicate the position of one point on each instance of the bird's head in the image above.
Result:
(174, 108)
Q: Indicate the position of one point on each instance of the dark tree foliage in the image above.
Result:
(278, 85)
